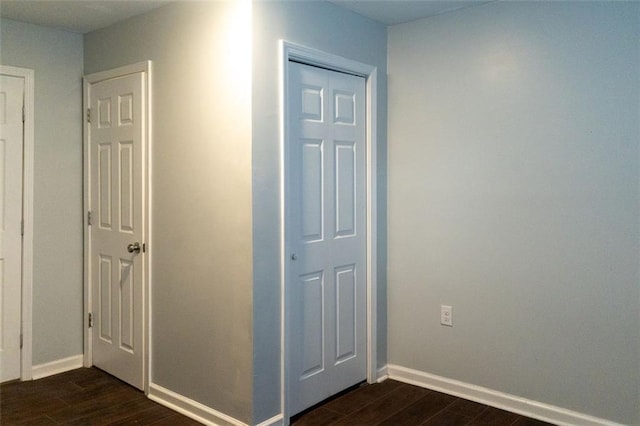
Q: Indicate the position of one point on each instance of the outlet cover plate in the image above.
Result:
(446, 315)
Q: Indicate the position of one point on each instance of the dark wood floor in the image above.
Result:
(88, 396)
(393, 403)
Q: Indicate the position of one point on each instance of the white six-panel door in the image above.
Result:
(11, 145)
(116, 161)
(325, 234)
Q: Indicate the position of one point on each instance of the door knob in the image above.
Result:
(134, 247)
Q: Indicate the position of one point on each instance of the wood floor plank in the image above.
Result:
(29, 408)
(110, 414)
(146, 417)
(88, 405)
(466, 407)
(319, 417)
(36, 421)
(362, 396)
(526, 421)
(176, 420)
(385, 407)
(494, 417)
(448, 418)
(421, 410)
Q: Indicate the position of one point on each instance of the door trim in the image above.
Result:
(290, 51)
(26, 361)
(145, 68)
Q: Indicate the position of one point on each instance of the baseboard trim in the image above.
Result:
(56, 367)
(191, 408)
(383, 374)
(537, 410)
(277, 420)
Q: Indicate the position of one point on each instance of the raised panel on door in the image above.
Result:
(324, 221)
(345, 188)
(126, 190)
(116, 137)
(105, 310)
(312, 190)
(126, 306)
(312, 289)
(346, 321)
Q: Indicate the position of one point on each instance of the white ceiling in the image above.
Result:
(79, 16)
(82, 16)
(391, 12)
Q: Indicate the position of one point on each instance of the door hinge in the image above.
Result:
(144, 247)
(21, 340)
(23, 115)
(22, 228)
(88, 115)
(89, 218)
(90, 320)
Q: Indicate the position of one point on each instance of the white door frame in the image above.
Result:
(27, 217)
(290, 51)
(88, 80)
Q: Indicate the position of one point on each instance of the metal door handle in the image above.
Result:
(133, 247)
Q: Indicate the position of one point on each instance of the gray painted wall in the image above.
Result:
(514, 196)
(201, 209)
(56, 57)
(326, 27)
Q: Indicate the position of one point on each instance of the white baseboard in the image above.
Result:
(191, 408)
(383, 374)
(277, 420)
(505, 401)
(55, 367)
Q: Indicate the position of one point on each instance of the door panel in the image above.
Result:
(11, 102)
(325, 238)
(116, 136)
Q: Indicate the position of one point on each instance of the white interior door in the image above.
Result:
(11, 128)
(116, 198)
(325, 234)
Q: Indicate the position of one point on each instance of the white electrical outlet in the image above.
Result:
(446, 315)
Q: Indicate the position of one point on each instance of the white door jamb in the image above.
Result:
(290, 51)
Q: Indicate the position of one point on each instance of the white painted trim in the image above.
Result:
(56, 367)
(277, 420)
(26, 311)
(383, 374)
(144, 67)
(290, 51)
(191, 408)
(147, 227)
(526, 407)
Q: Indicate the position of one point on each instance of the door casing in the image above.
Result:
(27, 217)
(145, 68)
(288, 52)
